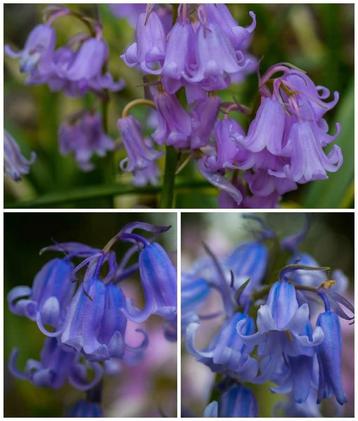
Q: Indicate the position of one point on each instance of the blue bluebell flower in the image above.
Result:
(227, 353)
(84, 408)
(96, 322)
(236, 401)
(158, 278)
(48, 300)
(57, 365)
(281, 330)
(194, 291)
(330, 358)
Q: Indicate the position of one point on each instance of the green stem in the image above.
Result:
(102, 191)
(167, 197)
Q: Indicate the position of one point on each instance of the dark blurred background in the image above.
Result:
(330, 241)
(146, 390)
(316, 37)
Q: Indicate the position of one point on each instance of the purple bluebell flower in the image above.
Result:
(329, 358)
(148, 52)
(48, 299)
(174, 123)
(38, 49)
(236, 401)
(204, 113)
(84, 138)
(238, 35)
(15, 164)
(300, 134)
(228, 150)
(128, 11)
(96, 322)
(84, 408)
(57, 365)
(226, 353)
(141, 155)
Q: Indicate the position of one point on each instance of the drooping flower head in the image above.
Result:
(84, 137)
(15, 164)
(141, 154)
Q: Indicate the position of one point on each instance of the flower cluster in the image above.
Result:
(85, 318)
(206, 51)
(189, 56)
(283, 330)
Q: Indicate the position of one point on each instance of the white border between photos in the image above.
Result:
(177, 211)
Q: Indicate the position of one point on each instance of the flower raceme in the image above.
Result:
(87, 325)
(272, 331)
(187, 55)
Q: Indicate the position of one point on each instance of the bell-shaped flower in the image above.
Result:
(84, 138)
(226, 352)
(215, 59)
(148, 52)
(308, 160)
(236, 401)
(330, 358)
(220, 15)
(48, 300)
(96, 322)
(86, 409)
(56, 367)
(248, 261)
(227, 134)
(267, 128)
(159, 281)
(194, 291)
(15, 164)
(141, 155)
(174, 125)
(204, 113)
(281, 330)
(38, 48)
(178, 55)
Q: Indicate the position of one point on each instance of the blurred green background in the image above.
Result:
(145, 390)
(330, 241)
(316, 37)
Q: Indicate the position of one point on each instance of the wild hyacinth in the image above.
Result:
(85, 319)
(283, 329)
(189, 56)
(15, 164)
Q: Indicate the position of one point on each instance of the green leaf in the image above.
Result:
(337, 191)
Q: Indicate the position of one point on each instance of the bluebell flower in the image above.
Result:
(330, 358)
(48, 300)
(226, 353)
(141, 154)
(38, 48)
(148, 52)
(174, 125)
(57, 365)
(194, 291)
(158, 279)
(248, 261)
(84, 408)
(84, 138)
(96, 322)
(236, 401)
(281, 330)
(15, 164)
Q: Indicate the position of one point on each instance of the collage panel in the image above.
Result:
(267, 315)
(179, 105)
(90, 315)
